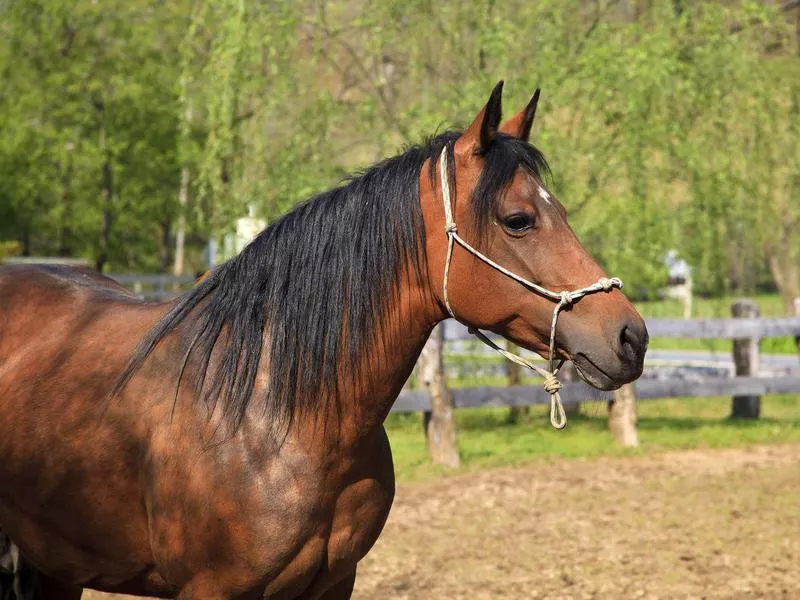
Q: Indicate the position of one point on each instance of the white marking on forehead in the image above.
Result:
(544, 195)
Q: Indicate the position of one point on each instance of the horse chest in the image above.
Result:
(344, 537)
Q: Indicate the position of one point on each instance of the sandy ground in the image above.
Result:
(694, 524)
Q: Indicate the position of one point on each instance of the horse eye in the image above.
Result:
(518, 222)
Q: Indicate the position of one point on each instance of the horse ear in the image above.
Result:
(520, 124)
(480, 135)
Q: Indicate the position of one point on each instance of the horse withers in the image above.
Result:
(230, 443)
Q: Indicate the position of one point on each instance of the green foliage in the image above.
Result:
(669, 125)
(8, 249)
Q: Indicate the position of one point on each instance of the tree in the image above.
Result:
(88, 145)
(188, 113)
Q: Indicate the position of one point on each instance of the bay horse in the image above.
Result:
(230, 443)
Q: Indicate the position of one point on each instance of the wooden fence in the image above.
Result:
(572, 392)
(751, 329)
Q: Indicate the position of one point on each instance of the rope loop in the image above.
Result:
(605, 283)
(558, 416)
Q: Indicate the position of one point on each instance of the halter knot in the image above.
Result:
(606, 283)
(552, 385)
(567, 298)
(451, 228)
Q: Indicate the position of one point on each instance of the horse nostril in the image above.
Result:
(629, 342)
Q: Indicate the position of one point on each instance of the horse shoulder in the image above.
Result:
(360, 514)
(278, 520)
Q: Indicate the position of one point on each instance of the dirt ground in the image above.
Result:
(692, 524)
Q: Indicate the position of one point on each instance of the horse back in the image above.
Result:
(16, 280)
(73, 322)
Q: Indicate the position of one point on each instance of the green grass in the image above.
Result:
(487, 439)
(715, 308)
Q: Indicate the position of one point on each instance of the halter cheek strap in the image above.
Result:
(552, 385)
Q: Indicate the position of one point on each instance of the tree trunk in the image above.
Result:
(166, 239)
(784, 264)
(107, 193)
(65, 229)
(25, 239)
(745, 359)
(183, 191)
(622, 416)
(107, 196)
(180, 231)
(797, 314)
(440, 430)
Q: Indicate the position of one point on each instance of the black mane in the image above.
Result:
(318, 283)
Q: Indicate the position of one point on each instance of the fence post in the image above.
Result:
(797, 300)
(622, 416)
(745, 359)
(440, 430)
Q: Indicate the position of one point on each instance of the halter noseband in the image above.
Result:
(552, 385)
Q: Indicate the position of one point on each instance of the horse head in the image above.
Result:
(502, 256)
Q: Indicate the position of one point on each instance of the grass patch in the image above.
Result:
(487, 439)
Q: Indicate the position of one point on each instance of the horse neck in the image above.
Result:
(386, 363)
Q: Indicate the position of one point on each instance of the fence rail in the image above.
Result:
(646, 389)
(151, 279)
(154, 286)
(686, 328)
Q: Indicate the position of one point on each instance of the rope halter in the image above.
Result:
(552, 385)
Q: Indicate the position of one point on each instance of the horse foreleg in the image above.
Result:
(211, 586)
(50, 589)
(20, 581)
